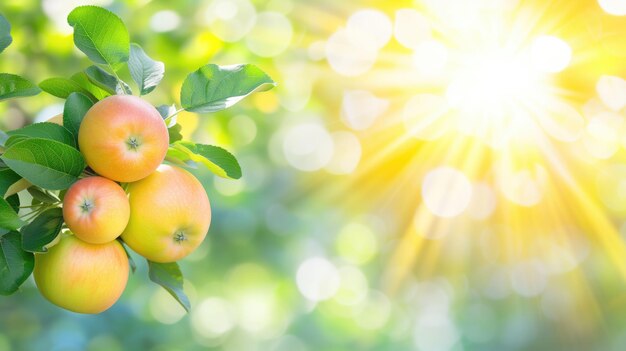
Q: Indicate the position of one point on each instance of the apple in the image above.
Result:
(96, 209)
(82, 277)
(170, 215)
(123, 138)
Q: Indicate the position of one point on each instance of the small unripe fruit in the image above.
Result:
(123, 138)
(96, 210)
(170, 215)
(82, 277)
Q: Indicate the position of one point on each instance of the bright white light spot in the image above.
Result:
(316, 50)
(411, 28)
(230, 20)
(164, 309)
(612, 92)
(611, 186)
(373, 312)
(490, 80)
(346, 153)
(353, 288)
(528, 278)
(613, 7)
(308, 147)
(523, 187)
(430, 57)
(271, 34)
(213, 317)
(435, 332)
(561, 257)
(225, 10)
(297, 85)
(369, 29)
(164, 21)
(258, 311)
(561, 121)
(357, 243)
(603, 132)
(550, 54)
(48, 112)
(360, 108)
(497, 285)
(483, 201)
(243, 129)
(499, 5)
(432, 297)
(425, 116)
(229, 187)
(347, 58)
(446, 192)
(57, 11)
(317, 279)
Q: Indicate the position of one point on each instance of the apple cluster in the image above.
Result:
(160, 211)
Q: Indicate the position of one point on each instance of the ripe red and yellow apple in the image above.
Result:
(170, 215)
(96, 209)
(82, 277)
(123, 138)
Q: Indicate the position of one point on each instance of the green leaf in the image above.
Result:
(169, 276)
(216, 159)
(75, 108)
(5, 33)
(43, 130)
(37, 234)
(174, 133)
(15, 264)
(213, 88)
(146, 72)
(131, 261)
(95, 92)
(63, 87)
(42, 195)
(166, 111)
(46, 163)
(14, 202)
(7, 178)
(12, 86)
(3, 138)
(106, 81)
(9, 218)
(101, 35)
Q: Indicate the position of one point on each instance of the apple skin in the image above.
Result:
(82, 277)
(170, 215)
(96, 209)
(123, 138)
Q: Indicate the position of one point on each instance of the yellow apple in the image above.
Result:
(82, 277)
(123, 138)
(96, 209)
(170, 215)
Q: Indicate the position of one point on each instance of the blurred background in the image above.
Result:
(428, 175)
